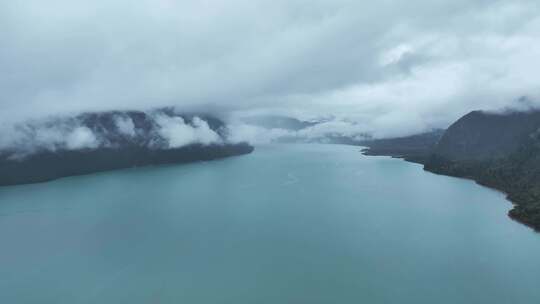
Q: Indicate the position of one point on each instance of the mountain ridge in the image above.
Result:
(497, 150)
(101, 141)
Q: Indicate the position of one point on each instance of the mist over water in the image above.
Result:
(285, 224)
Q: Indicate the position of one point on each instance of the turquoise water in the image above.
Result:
(286, 224)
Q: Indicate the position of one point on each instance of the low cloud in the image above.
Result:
(125, 125)
(81, 138)
(320, 132)
(62, 134)
(391, 67)
(161, 131)
(241, 132)
(178, 133)
(334, 128)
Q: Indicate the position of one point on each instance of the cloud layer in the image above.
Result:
(159, 129)
(178, 133)
(393, 67)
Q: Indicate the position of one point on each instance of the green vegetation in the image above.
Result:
(501, 151)
(518, 175)
(145, 146)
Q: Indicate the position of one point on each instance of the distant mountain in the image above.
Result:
(279, 122)
(498, 150)
(93, 142)
(483, 135)
(415, 148)
(322, 130)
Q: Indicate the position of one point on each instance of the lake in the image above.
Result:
(285, 224)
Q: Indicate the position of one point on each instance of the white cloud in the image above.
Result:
(333, 128)
(25, 139)
(241, 132)
(125, 126)
(395, 54)
(179, 134)
(317, 133)
(80, 138)
(49, 138)
(391, 66)
(203, 133)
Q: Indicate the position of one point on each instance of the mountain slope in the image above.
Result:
(415, 148)
(93, 142)
(481, 135)
(501, 151)
(498, 150)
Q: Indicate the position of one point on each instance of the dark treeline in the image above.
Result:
(145, 147)
(498, 150)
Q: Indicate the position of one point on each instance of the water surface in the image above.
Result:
(286, 224)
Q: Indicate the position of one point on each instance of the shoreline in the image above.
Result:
(91, 162)
(369, 152)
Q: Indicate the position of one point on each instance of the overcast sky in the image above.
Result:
(395, 66)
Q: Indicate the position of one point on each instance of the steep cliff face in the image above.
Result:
(483, 136)
(93, 142)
